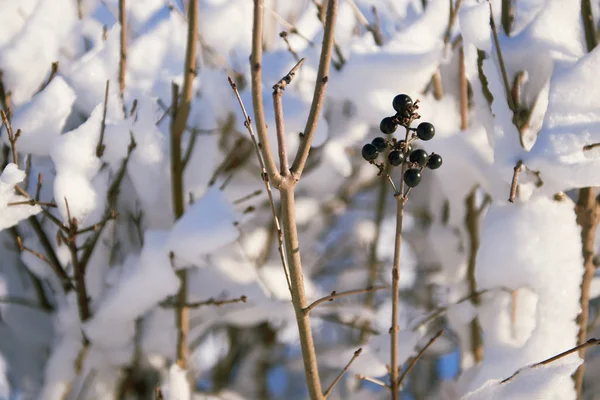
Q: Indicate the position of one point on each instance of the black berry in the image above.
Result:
(425, 131)
(387, 125)
(435, 161)
(380, 143)
(402, 144)
(369, 152)
(402, 103)
(412, 177)
(395, 158)
(419, 156)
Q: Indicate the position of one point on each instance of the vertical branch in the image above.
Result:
(373, 262)
(464, 97)
(395, 368)
(257, 100)
(508, 16)
(319, 93)
(472, 222)
(588, 216)
(292, 247)
(181, 110)
(588, 25)
(123, 50)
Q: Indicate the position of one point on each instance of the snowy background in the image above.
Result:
(524, 259)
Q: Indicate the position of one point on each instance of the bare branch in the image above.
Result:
(372, 380)
(341, 374)
(515, 181)
(209, 302)
(265, 179)
(319, 93)
(583, 346)
(334, 295)
(414, 360)
(100, 147)
(123, 49)
(278, 89)
(12, 138)
(257, 100)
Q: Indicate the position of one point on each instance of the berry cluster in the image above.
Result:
(401, 151)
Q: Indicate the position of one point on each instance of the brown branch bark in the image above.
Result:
(588, 217)
(319, 93)
(123, 49)
(292, 246)
(472, 223)
(257, 100)
(182, 110)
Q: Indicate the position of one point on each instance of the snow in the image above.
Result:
(12, 215)
(142, 284)
(543, 382)
(42, 119)
(74, 155)
(37, 45)
(207, 225)
(552, 274)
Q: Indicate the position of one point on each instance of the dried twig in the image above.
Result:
(12, 137)
(257, 100)
(583, 346)
(509, 98)
(515, 181)
(414, 360)
(182, 110)
(123, 50)
(335, 295)
(265, 179)
(464, 89)
(319, 93)
(209, 302)
(100, 147)
(372, 380)
(341, 374)
(278, 89)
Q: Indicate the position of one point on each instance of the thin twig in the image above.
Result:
(123, 50)
(373, 261)
(284, 36)
(335, 295)
(12, 138)
(341, 374)
(319, 93)
(372, 380)
(257, 100)
(414, 360)
(100, 147)
(265, 179)
(583, 346)
(515, 181)
(278, 89)
(464, 88)
(209, 302)
(509, 98)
